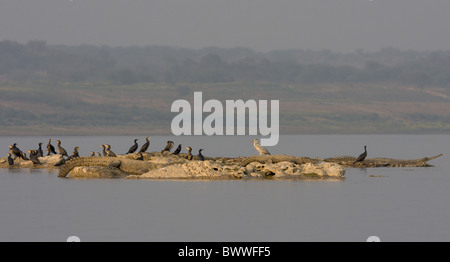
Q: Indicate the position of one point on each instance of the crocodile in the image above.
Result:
(277, 159)
(348, 161)
(130, 166)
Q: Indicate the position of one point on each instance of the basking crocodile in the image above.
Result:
(130, 166)
(348, 161)
(277, 159)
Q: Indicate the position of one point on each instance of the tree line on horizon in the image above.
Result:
(37, 60)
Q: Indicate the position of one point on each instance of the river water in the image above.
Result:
(394, 204)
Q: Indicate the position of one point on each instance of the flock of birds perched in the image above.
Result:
(15, 152)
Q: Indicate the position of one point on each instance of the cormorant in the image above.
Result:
(104, 150)
(10, 160)
(15, 151)
(133, 148)
(261, 150)
(361, 157)
(76, 154)
(109, 152)
(50, 148)
(141, 157)
(189, 155)
(168, 147)
(40, 152)
(178, 150)
(99, 155)
(145, 146)
(92, 154)
(34, 157)
(61, 150)
(200, 156)
(24, 156)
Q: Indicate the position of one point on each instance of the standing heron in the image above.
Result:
(261, 150)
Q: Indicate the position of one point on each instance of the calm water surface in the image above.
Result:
(395, 204)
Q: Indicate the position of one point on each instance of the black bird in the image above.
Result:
(34, 154)
(10, 160)
(141, 157)
(98, 154)
(189, 155)
(362, 156)
(50, 148)
(61, 150)
(104, 150)
(133, 148)
(40, 152)
(168, 147)
(178, 150)
(92, 154)
(24, 156)
(15, 151)
(145, 146)
(75, 153)
(109, 152)
(200, 156)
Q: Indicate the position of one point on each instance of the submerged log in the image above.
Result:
(348, 161)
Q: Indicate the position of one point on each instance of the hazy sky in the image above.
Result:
(341, 25)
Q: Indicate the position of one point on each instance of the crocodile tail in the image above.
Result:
(83, 161)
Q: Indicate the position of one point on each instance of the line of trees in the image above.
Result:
(36, 60)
